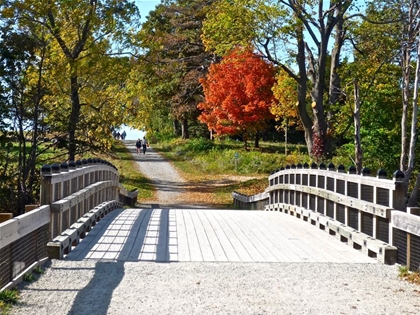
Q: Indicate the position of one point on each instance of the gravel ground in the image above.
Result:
(117, 288)
(125, 288)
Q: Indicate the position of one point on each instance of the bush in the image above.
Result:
(9, 296)
(199, 145)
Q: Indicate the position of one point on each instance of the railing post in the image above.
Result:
(399, 199)
(46, 187)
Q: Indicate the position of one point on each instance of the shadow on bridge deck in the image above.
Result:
(177, 235)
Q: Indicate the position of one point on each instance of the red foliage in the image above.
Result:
(238, 94)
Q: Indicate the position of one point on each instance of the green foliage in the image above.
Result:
(166, 77)
(410, 276)
(28, 277)
(403, 271)
(218, 157)
(199, 145)
(39, 270)
(9, 296)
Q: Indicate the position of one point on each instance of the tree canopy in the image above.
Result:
(238, 94)
(346, 72)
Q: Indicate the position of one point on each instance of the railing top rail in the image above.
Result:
(73, 173)
(366, 179)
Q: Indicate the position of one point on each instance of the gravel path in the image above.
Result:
(169, 183)
(125, 288)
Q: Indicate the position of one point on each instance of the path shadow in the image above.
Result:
(133, 240)
(95, 298)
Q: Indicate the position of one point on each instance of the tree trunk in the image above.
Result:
(184, 128)
(317, 93)
(406, 60)
(413, 135)
(74, 116)
(285, 136)
(357, 139)
(257, 140)
(302, 89)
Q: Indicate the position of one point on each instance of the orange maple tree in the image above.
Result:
(238, 94)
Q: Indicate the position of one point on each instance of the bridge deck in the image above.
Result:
(170, 235)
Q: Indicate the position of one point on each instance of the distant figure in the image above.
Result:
(138, 145)
(145, 144)
(123, 135)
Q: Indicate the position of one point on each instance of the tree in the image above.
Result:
(22, 58)
(173, 54)
(370, 92)
(238, 95)
(303, 29)
(80, 29)
(285, 109)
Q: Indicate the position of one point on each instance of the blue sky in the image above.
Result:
(145, 6)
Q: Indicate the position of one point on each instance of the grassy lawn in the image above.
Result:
(226, 166)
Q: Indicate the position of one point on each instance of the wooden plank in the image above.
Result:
(211, 235)
(87, 245)
(217, 249)
(277, 238)
(303, 237)
(224, 241)
(150, 241)
(206, 249)
(162, 250)
(183, 247)
(232, 236)
(130, 227)
(316, 245)
(17, 227)
(260, 241)
(193, 244)
(172, 237)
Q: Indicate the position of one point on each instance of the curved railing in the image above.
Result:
(74, 197)
(369, 213)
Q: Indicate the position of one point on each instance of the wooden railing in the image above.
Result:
(74, 197)
(369, 213)
(255, 202)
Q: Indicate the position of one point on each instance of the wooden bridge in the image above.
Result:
(314, 214)
(179, 235)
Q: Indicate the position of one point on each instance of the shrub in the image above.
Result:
(9, 296)
(28, 277)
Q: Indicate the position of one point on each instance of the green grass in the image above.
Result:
(202, 159)
(407, 275)
(8, 298)
(228, 157)
(39, 270)
(121, 157)
(28, 277)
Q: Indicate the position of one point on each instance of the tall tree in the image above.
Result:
(238, 95)
(22, 58)
(172, 52)
(79, 28)
(303, 30)
(285, 108)
(370, 90)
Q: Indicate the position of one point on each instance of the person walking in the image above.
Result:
(145, 144)
(138, 145)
